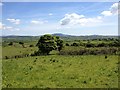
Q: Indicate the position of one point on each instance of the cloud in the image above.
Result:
(14, 21)
(50, 14)
(1, 26)
(106, 13)
(10, 28)
(38, 22)
(1, 4)
(76, 19)
(113, 10)
(4, 27)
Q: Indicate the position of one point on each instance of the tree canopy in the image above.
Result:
(48, 43)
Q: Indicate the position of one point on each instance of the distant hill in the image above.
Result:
(63, 36)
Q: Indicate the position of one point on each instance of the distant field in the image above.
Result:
(11, 51)
(80, 64)
(55, 71)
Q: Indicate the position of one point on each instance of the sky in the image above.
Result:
(74, 18)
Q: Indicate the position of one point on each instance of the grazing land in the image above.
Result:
(82, 63)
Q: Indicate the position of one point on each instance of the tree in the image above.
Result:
(10, 44)
(67, 44)
(59, 42)
(88, 44)
(21, 43)
(75, 44)
(31, 45)
(48, 43)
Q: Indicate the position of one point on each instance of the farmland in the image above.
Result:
(68, 68)
(61, 71)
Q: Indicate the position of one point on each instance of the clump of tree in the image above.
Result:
(10, 44)
(31, 45)
(75, 44)
(88, 45)
(90, 51)
(48, 43)
(21, 43)
(67, 44)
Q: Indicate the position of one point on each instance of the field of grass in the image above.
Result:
(11, 51)
(56, 71)
(59, 69)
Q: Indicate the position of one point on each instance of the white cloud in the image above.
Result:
(8, 28)
(113, 10)
(17, 29)
(4, 27)
(35, 22)
(106, 13)
(76, 19)
(14, 21)
(50, 14)
(1, 25)
(1, 4)
(38, 22)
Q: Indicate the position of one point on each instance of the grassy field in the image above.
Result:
(11, 51)
(65, 69)
(55, 71)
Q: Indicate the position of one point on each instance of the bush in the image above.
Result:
(67, 44)
(90, 51)
(31, 46)
(10, 44)
(101, 45)
(75, 44)
(6, 57)
(89, 45)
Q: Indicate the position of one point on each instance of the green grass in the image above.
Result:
(55, 71)
(11, 51)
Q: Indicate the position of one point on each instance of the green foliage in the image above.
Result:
(89, 51)
(75, 44)
(48, 43)
(59, 43)
(10, 44)
(31, 45)
(21, 43)
(67, 44)
(88, 44)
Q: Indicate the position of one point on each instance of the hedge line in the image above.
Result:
(89, 51)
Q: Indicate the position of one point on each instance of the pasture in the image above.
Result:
(55, 71)
(81, 64)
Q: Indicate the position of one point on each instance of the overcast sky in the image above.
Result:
(80, 18)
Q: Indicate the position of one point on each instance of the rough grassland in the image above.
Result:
(55, 71)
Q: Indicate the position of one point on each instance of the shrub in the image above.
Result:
(67, 44)
(89, 45)
(10, 44)
(6, 57)
(31, 45)
(101, 45)
(90, 51)
(75, 44)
